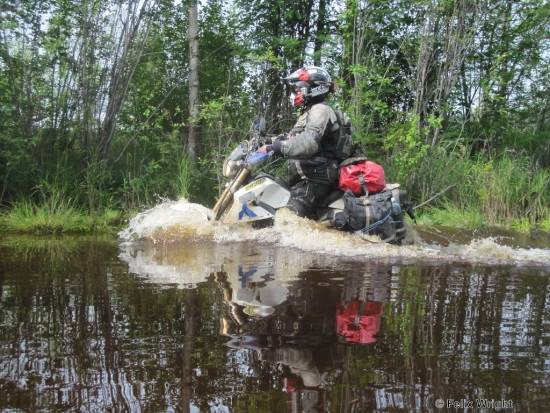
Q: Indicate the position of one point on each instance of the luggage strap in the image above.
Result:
(376, 224)
(363, 184)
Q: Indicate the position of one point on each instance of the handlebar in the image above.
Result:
(257, 158)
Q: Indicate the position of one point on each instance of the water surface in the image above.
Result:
(216, 327)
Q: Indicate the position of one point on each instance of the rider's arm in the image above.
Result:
(306, 143)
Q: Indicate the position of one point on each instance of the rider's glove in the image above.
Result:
(276, 146)
(281, 137)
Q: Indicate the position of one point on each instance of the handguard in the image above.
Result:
(257, 158)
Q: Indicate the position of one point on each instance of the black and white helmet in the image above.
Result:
(309, 83)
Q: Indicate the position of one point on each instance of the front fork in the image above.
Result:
(227, 195)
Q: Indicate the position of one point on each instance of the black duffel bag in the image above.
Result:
(374, 214)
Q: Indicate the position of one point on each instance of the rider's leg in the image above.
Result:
(306, 196)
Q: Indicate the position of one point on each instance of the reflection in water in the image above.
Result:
(294, 330)
(85, 325)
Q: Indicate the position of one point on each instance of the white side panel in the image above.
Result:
(274, 195)
(245, 212)
(245, 206)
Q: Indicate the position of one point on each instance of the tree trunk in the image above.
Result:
(445, 43)
(424, 66)
(192, 37)
(358, 49)
(320, 32)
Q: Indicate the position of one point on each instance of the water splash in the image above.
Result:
(180, 220)
(488, 250)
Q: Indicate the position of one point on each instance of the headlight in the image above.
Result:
(230, 168)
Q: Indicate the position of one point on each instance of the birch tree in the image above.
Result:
(192, 36)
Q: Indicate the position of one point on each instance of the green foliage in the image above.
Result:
(508, 190)
(452, 216)
(223, 130)
(406, 148)
(511, 188)
(71, 140)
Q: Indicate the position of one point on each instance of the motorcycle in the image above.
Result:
(252, 196)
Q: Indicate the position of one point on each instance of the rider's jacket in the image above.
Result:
(311, 146)
(314, 135)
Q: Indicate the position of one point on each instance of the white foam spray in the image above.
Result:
(181, 220)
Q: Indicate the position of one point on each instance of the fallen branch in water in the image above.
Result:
(433, 197)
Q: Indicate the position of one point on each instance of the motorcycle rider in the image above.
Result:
(312, 144)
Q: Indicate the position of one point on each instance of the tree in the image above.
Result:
(192, 35)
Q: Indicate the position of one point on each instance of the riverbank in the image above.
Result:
(472, 219)
(28, 218)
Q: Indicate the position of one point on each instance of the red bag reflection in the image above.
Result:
(359, 322)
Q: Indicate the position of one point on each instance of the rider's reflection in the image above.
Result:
(297, 328)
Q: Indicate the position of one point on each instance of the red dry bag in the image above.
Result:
(362, 174)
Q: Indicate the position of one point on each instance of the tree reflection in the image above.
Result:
(78, 331)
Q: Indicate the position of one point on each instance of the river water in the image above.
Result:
(284, 319)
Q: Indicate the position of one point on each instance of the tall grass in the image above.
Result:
(184, 177)
(56, 213)
(136, 191)
(28, 217)
(512, 189)
(507, 190)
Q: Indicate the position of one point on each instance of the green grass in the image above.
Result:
(30, 218)
(55, 212)
(509, 190)
(452, 216)
(455, 217)
(184, 177)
